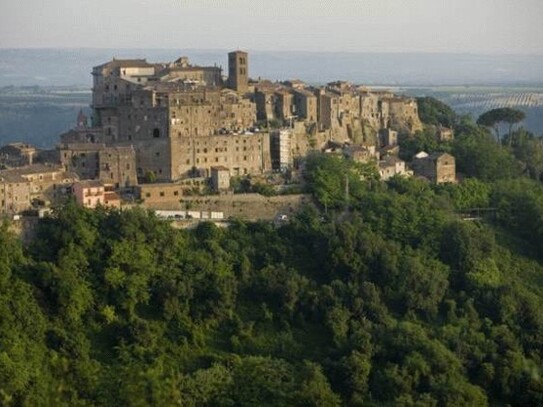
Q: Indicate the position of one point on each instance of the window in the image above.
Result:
(156, 132)
(175, 193)
(147, 194)
(161, 193)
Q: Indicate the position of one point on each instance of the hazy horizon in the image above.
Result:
(71, 48)
(71, 66)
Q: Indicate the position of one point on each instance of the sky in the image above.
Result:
(458, 26)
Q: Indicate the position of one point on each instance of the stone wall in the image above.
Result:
(247, 206)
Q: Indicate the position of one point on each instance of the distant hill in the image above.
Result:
(38, 115)
(58, 67)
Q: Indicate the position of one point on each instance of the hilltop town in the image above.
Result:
(163, 134)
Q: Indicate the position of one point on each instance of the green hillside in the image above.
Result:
(383, 296)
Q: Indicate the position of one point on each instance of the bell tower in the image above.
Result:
(238, 71)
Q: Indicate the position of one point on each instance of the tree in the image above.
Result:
(528, 149)
(435, 112)
(494, 117)
(478, 155)
(150, 176)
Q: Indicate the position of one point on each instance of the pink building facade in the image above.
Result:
(89, 194)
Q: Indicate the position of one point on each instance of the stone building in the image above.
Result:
(281, 150)
(182, 71)
(284, 105)
(266, 100)
(360, 154)
(403, 114)
(388, 137)
(181, 120)
(243, 154)
(161, 195)
(305, 105)
(438, 167)
(14, 194)
(17, 155)
(48, 184)
(117, 166)
(33, 185)
(89, 193)
(82, 132)
(238, 71)
(444, 134)
(327, 109)
(220, 178)
(179, 129)
(391, 166)
(114, 165)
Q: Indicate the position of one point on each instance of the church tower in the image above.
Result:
(238, 71)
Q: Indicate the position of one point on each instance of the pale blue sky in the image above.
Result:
(476, 26)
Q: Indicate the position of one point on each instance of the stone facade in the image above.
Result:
(305, 105)
(281, 149)
(117, 166)
(220, 178)
(238, 71)
(161, 194)
(114, 165)
(17, 155)
(14, 194)
(388, 137)
(361, 154)
(439, 168)
(444, 134)
(89, 194)
(391, 166)
(33, 185)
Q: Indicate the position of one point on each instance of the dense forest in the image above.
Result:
(383, 296)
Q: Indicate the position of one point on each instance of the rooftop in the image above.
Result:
(126, 63)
